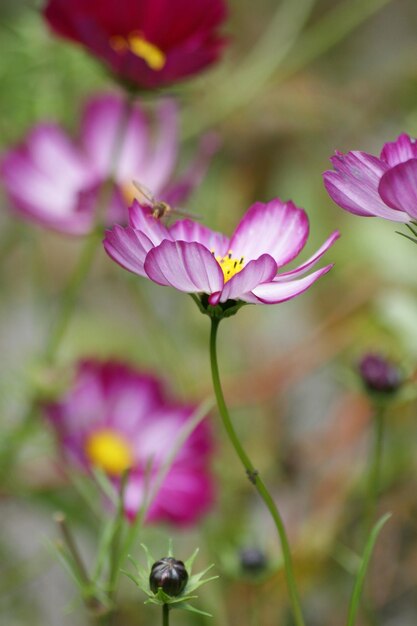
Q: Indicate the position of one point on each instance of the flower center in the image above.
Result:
(230, 266)
(140, 47)
(109, 451)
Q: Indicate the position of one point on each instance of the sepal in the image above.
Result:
(141, 579)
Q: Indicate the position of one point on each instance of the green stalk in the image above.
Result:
(254, 477)
(362, 571)
(115, 545)
(70, 295)
(98, 614)
(374, 479)
(165, 615)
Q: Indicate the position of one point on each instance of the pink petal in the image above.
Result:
(185, 495)
(46, 172)
(115, 144)
(277, 228)
(154, 439)
(142, 220)
(128, 248)
(49, 181)
(54, 154)
(354, 185)
(399, 151)
(398, 188)
(274, 292)
(162, 159)
(188, 230)
(301, 269)
(189, 267)
(256, 272)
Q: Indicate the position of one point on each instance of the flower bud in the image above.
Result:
(252, 560)
(379, 374)
(169, 575)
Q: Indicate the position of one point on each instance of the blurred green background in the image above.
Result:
(300, 79)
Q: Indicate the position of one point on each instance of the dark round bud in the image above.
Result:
(379, 374)
(253, 560)
(169, 575)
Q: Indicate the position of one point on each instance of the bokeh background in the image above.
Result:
(300, 79)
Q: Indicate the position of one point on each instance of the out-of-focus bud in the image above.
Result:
(169, 575)
(379, 374)
(253, 560)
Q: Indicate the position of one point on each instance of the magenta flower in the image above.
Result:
(386, 187)
(115, 418)
(197, 260)
(56, 182)
(149, 43)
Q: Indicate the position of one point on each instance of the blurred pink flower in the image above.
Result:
(195, 259)
(148, 43)
(369, 186)
(56, 182)
(114, 417)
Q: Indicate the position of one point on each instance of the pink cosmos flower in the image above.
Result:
(386, 187)
(56, 182)
(197, 260)
(149, 43)
(114, 417)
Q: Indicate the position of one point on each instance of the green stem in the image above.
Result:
(70, 295)
(375, 466)
(115, 547)
(254, 477)
(165, 615)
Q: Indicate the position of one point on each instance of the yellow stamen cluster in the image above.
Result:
(229, 265)
(109, 451)
(138, 45)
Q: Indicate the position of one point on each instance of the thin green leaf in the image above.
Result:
(410, 228)
(133, 578)
(106, 485)
(406, 236)
(188, 428)
(197, 577)
(103, 549)
(149, 557)
(360, 579)
(137, 524)
(67, 562)
(192, 609)
(190, 562)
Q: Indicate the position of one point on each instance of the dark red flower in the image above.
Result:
(150, 43)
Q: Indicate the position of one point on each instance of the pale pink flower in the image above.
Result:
(56, 182)
(371, 186)
(197, 260)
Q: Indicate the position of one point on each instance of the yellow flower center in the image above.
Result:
(230, 266)
(139, 46)
(110, 451)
